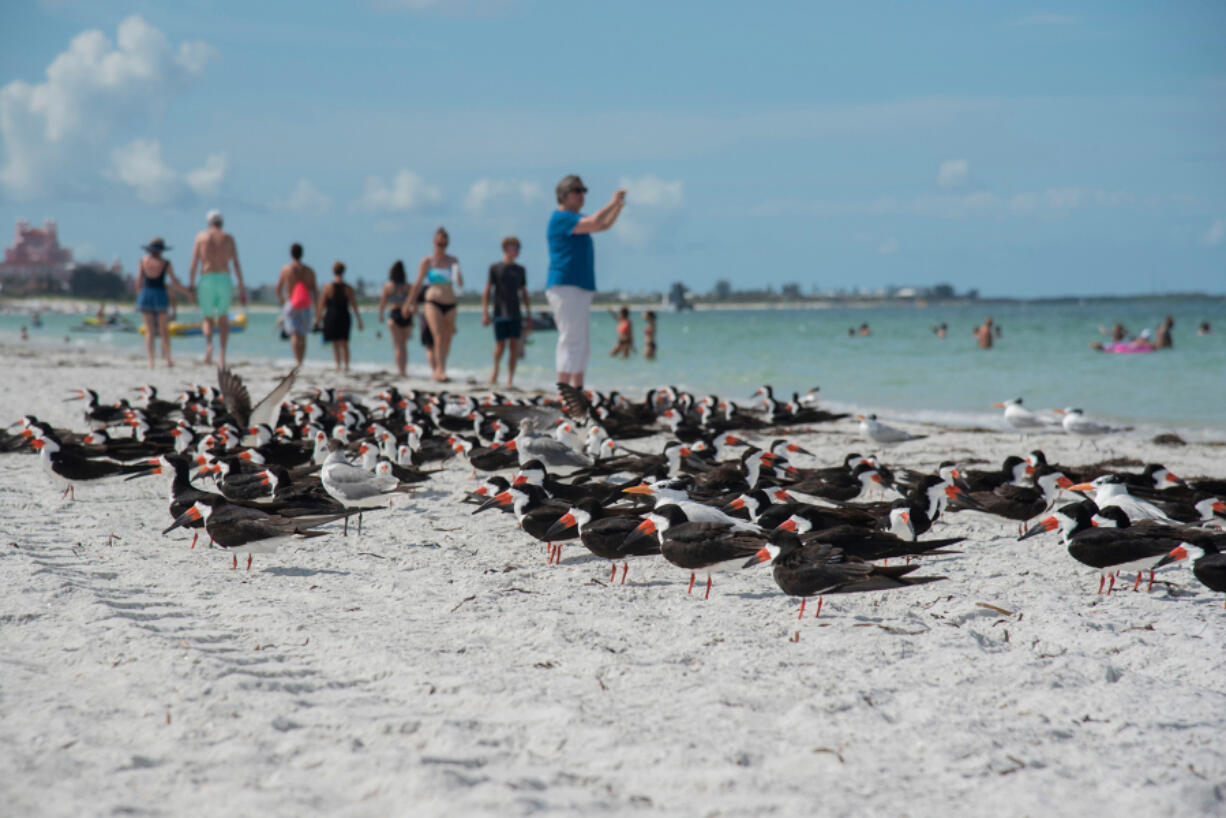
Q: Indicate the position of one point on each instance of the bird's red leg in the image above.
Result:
(1102, 579)
(234, 564)
(1151, 581)
(1137, 584)
(613, 575)
(249, 556)
(801, 615)
(66, 488)
(819, 607)
(707, 595)
(691, 588)
(1111, 586)
(195, 534)
(625, 570)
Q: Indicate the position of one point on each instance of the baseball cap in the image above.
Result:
(569, 183)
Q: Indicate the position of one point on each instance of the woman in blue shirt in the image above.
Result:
(572, 273)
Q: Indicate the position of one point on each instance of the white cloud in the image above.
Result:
(653, 191)
(487, 194)
(407, 191)
(953, 173)
(57, 133)
(888, 247)
(1216, 233)
(206, 180)
(652, 206)
(305, 198)
(139, 165)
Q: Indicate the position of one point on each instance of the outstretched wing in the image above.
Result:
(267, 410)
(574, 402)
(235, 395)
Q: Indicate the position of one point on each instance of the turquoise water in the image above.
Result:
(903, 370)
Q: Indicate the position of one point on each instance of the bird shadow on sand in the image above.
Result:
(754, 594)
(291, 571)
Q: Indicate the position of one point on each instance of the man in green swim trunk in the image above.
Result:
(213, 252)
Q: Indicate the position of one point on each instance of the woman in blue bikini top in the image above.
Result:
(440, 274)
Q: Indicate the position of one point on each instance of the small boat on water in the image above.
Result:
(110, 323)
(238, 323)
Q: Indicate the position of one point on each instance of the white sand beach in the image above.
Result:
(436, 665)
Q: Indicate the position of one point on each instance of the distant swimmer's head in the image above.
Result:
(295, 251)
(214, 218)
(338, 268)
(570, 184)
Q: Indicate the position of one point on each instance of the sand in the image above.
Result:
(437, 666)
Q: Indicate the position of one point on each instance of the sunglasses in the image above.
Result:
(579, 190)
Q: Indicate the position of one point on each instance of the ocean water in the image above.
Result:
(902, 371)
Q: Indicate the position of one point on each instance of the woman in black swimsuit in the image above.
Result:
(335, 302)
(439, 273)
(399, 325)
(154, 299)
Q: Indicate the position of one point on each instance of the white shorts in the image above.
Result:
(572, 311)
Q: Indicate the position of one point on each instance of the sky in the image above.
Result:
(1021, 150)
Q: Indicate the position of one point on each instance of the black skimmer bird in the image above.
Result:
(536, 515)
(68, 467)
(1112, 490)
(878, 432)
(1121, 548)
(603, 532)
(240, 529)
(98, 416)
(1209, 566)
(819, 569)
(693, 545)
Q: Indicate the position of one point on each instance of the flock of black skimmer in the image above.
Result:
(706, 499)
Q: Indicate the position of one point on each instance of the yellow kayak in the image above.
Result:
(238, 323)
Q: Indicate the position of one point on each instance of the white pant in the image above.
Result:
(572, 310)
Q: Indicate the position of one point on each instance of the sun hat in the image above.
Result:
(157, 245)
(213, 217)
(569, 183)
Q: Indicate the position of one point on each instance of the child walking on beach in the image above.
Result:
(506, 287)
(625, 333)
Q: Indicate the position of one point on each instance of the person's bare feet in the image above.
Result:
(169, 363)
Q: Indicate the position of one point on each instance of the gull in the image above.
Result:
(529, 445)
(347, 484)
(1019, 417)
(1077, 425)
(885, 435)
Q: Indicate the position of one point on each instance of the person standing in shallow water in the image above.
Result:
(439, 274)
(983, 333)
(296, 290)
(214, 251)
(572, 273)
(399, 325)
(335, 302)
(506, 287)
(154, 299)
(1162, 337)
(649, 335)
